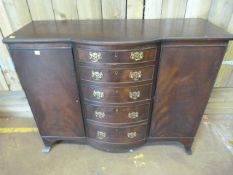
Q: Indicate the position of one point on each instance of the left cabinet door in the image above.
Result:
(47, 75)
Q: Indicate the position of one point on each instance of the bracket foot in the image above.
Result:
(46, 149)
(188, 150)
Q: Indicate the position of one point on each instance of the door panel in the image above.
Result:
(186, 76)
(48, 78)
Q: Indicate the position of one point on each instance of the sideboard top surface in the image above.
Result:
(118, 31)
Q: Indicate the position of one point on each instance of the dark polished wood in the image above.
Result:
(186, 77)
(48, 78)
(118, 135)
(118, 75)
(117, 114)
(117, 56)
(115, 95)
(115, 147)
(107, 32)
(117, 84)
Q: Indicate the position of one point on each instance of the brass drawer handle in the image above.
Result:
(98, 94)
(100, 135)
(131, 135)
(96, 75)
(99, 114)
(134, 95)
(133, 115)
(95, 56)
(136, 75)
(136, 56)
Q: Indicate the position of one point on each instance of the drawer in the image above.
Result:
(117, 114)
(131, 56)
(117, 75)
(117, 94)
(117, 134)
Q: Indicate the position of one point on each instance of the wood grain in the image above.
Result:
(221, 95)
(89, 9)
(13, 15)
(116, 95)
(17, 12)
(5, 25)
(114, 9)
(117, 75)
(64, 10)
(173, 9)
(220, 12)
(153, 9)
(117, 135)
(44, 52)
(229, 54)
(219, 108)
(119, 32)
(197, 9)
(186, 77)
(50, 85)
(41, 10)
(149, 54)
(224, 78)
(3, 84)
(134, 9)
(117, 114)
(225, 75)
(5, 28)
(8, 68)
(230, 25)
(14, 104)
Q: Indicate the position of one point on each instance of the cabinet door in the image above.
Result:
(48, 77)
(187, 74)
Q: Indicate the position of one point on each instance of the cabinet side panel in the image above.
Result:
(48, 78)
(186, 76)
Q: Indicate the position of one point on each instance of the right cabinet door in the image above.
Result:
(187, 73)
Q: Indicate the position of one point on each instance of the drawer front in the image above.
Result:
(117, 94)
(117, 135)
(117, 114)
(117, 75)
(93, 56)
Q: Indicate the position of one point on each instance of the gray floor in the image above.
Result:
(212, 154)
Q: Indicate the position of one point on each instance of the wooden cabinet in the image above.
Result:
(118, 75)
(119, 82)
(186, 77)
(117, 92)
(133, 54)
(110, 114)
(48, 78)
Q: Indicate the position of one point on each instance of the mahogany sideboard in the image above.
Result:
(117, 84)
